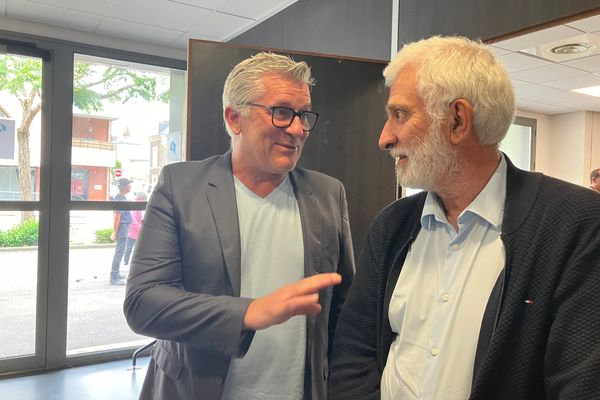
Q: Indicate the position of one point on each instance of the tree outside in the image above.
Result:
(94, 86)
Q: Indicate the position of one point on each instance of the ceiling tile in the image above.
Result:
(175, 16)
(518, 62)
(256, 9)
(591, 64)
(537, 38)
(575, 83)
(132, 30)
(569, 99)
(542, 108)
(550, 72)
(593, 106)
(517, 82)
(535, 92)
(99, 7)
(182, 41)
(591, 24)
(37, 12)
(219, 25)
(210, 4)
(498, 51)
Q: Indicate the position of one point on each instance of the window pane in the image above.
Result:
(18, 286)
(127, 123)
(517, 145)
(95, 311)
(20, 106)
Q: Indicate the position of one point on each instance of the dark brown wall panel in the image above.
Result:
(354, 28)
(484, 19)
(350, 97)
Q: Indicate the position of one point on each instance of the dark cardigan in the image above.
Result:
(545, 348)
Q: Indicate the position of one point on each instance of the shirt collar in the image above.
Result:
(489, 203)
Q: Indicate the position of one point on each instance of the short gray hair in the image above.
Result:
(451, 68)
(245, 82)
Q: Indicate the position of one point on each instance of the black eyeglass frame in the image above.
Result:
(295, 114)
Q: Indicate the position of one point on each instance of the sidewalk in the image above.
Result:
(95, 309)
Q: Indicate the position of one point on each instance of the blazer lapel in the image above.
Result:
(311, 223)
(221, 198)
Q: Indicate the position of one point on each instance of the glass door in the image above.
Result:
(23, 209)
(127, 124)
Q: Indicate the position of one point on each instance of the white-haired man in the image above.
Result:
(484, 286)
(243, 260)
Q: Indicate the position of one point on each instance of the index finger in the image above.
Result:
(317, 282)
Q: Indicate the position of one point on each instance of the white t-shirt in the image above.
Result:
(272, 254)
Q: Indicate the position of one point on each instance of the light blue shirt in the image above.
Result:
(438, 303)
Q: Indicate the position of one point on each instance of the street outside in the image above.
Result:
(95, 308)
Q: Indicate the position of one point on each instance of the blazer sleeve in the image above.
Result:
(354, 371)
(156, 301)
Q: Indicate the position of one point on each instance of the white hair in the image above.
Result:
(245, 82)
(451, 68)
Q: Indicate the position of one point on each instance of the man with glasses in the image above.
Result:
(244, 260)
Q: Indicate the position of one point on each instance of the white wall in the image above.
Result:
(593, 141)
(567, 145)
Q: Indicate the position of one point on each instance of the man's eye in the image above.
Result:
(282, 114)
(396, 114)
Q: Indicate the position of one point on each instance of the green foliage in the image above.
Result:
(24, 234)
(95, 83)
(22, 78)
(103, 235)
(20, 75)
(92, 83)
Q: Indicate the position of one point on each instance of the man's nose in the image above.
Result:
(387, 139)
(295, 128)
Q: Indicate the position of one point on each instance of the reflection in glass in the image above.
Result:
(95, 307)
(127, 122)
(20, 143)
(18, 286)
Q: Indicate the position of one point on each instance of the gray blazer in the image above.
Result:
(184, 283)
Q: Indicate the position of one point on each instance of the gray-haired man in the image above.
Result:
(243, 260)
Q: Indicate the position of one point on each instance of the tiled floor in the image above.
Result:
(108, 381)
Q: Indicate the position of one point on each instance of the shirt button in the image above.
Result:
(455, 246)
(434, 351)
(219, 380)
(445, 297)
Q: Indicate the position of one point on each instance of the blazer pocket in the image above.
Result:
(171, 365)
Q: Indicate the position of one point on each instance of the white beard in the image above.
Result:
(429, 160)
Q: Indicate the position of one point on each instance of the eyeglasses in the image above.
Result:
(282, 117)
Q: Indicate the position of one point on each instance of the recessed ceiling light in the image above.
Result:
(590, 91)
(572, 48)
(566, 49)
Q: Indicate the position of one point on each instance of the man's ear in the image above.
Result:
(461, 120)
(232, 119)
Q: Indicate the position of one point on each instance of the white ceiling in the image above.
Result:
(160, 22)
(544, 86)
(541, 86)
